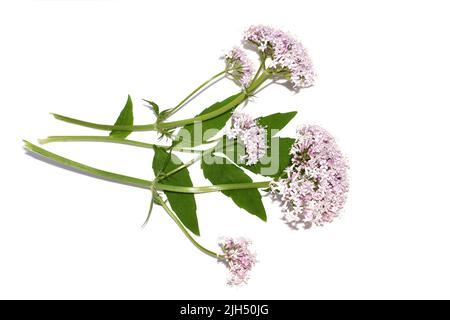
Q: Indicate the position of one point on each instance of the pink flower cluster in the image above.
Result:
(250, 134)
(316, 185)
(239, 259)
(286, 53)
(239, 65)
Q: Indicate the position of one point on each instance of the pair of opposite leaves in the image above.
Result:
(217, 172)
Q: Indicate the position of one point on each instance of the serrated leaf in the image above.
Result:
(125, 119)
(224, 173)
(183, 204)
(191, 136)
(275, 122)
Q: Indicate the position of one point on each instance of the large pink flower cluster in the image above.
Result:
(315, 187)
(287, 54)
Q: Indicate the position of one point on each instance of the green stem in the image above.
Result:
(110, 139)
(214, 188)
(105, 127)
(137, 182)
(230, 105)
(174, 124)
(180, 105)
(184, 165)
(186, 233)
(91, 170)
(187, 164)
(194, 160)
(261, 68)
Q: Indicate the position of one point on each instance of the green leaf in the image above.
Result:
(276, 121)
(191, 136)
(163, 115)
(218, 172)
(153, 106)
(272, 165)
(125, 119)
(183, 204)
(275, 161)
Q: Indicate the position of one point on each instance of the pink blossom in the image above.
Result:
(238, 258)
(239, 65)
(316, 185)
(287, 55)
(250, 134)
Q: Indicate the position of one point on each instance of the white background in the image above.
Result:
(383, 91)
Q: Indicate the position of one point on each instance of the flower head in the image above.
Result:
(239, 65)
(316, 185)
(250, 134)
(238, 258)
(287, 55)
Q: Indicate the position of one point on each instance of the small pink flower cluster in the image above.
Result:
(252, 136)
(316, 185)
(286, 53)
(239, 65)
(239, 259)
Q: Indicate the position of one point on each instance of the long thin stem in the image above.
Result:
(137, 182)
(258, 72)
(182, 102)
(51, 139)
(174, 124)
(186, 233)
(87, 169)
(105, 127)
(184, 165)
(194, 160)
(214, 188)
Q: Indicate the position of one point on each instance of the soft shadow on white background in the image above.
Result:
(382, 91)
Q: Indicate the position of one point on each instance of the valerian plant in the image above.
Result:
(307, 173)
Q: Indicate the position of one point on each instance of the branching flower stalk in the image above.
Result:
(173, 110)
(228, 71)
(174, 124)
(186, 232)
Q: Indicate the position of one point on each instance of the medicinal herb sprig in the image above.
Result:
(307, 173)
